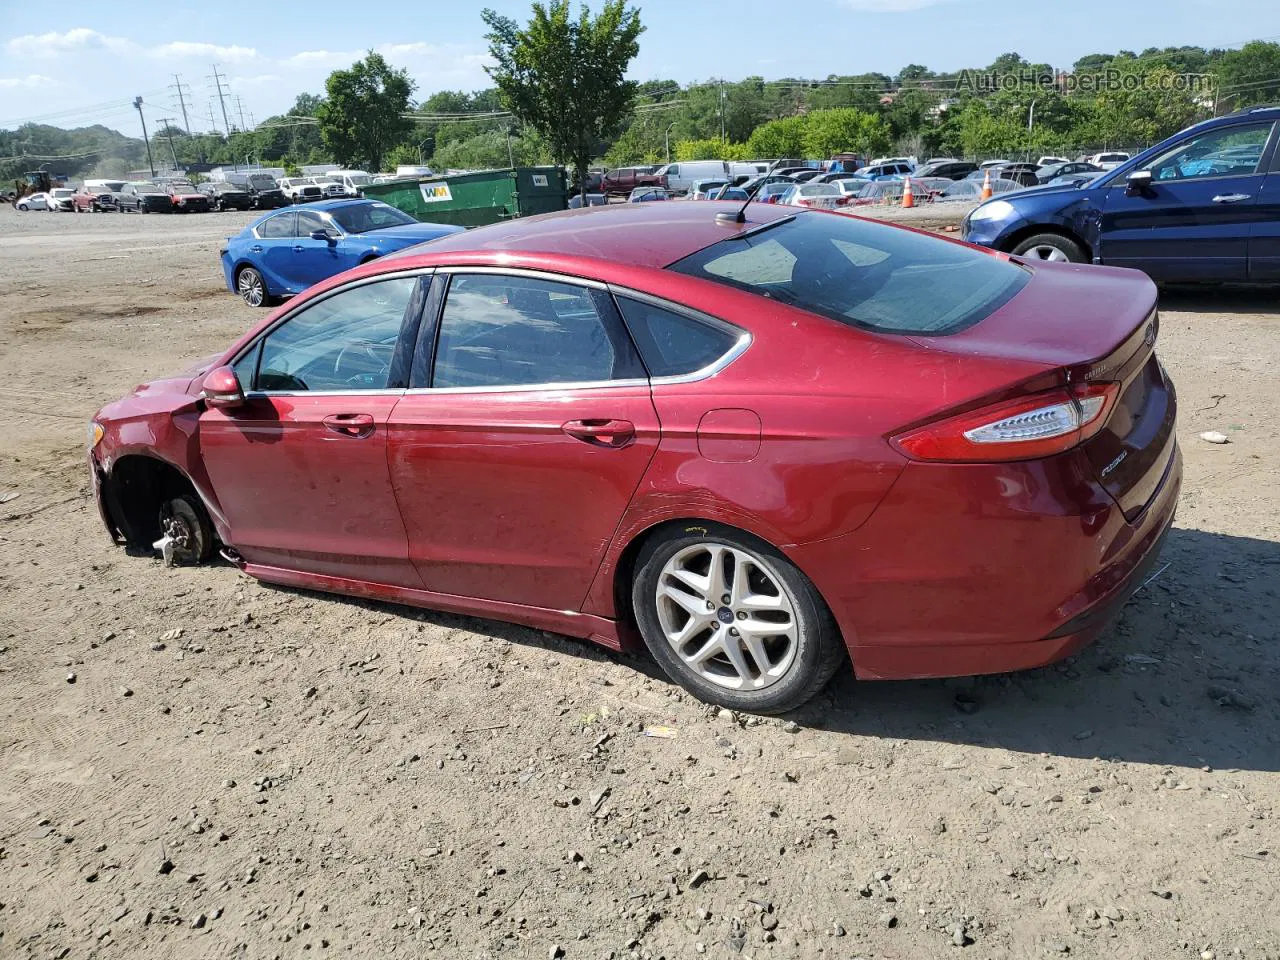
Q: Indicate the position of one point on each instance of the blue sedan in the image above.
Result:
(1204, 205)
(286, 251)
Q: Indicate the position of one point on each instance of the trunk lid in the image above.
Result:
(1092, 324)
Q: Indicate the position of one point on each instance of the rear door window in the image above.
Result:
(277, 227)
(862, 273)
(510, 331)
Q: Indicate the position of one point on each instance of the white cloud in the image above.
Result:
(183, 48)
(247, 83)
(322, 58)
(53, 43)
(405, 49)
(31, 80)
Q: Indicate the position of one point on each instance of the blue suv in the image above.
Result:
(1203, 205)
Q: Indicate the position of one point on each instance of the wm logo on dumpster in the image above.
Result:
(435, 192)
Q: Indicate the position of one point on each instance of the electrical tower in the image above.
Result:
(178, 86)
(167, 126)
(240, 109)
(217, 82)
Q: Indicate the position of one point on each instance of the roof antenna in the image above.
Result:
(740, 216)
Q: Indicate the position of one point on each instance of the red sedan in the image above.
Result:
(761, 448)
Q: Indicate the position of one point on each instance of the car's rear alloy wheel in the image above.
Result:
(251, 287)
(1052, 247)
(733, 621)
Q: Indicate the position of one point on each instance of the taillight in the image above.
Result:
(1025, 428)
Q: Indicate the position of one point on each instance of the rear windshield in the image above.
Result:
(862, 273)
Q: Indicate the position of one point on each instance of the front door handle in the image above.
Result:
(297, 248)
(601, 433)
(1230, 197)
(355, 425)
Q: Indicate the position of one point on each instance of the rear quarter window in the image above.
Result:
(861, 273)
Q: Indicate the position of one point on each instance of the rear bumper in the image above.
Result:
(963, 572)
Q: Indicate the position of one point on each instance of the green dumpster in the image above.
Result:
(474, 199)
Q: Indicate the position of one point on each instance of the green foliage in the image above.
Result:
(361, 117)
(778, 138)
(486, 151)
(1249, 75)
(565, 78)
(828, 132)
(709, 150)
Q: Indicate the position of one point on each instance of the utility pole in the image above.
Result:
(151, 164)
(168, 130)
(217, 82)
(182, 102)
(240, 107)
(213, 123)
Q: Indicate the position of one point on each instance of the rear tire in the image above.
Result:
(755, 636)
(1053, 247)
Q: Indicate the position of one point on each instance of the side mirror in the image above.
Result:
(324, 235)
(1139, 181)
(222, 388)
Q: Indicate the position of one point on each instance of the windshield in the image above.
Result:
(260, 181)
(61, 192)
(358, 179)
(363, 217)
(145, 187)
(181, 186)
(862, 273)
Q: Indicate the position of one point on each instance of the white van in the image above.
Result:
(352, 180)
(679, 177)
(413, 170)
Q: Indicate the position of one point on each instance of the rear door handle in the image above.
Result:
(601, 433)
(256, 248)
(355, 425)
(297, 248)
(1230, 197)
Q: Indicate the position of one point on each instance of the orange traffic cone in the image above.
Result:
(986, 185)
(907, 199)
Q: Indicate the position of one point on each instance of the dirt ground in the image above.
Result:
(244, 771)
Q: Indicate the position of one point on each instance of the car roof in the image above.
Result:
(642, 234)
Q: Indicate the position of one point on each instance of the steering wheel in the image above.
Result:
(368, 348)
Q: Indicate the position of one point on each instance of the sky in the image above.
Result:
(86, 65)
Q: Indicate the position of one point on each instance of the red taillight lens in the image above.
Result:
(1026, 428)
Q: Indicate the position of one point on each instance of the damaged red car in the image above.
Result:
(763, 447)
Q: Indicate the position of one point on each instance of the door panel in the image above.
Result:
(1264, 233)
(314, 260)
(500, 502)
(1192, 221)
(513, 470)
(300, 469)
(304, 495)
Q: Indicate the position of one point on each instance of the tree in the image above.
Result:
(778, 138)
(1249, 75)
(828, 132)
(362, 117)
(566, 78)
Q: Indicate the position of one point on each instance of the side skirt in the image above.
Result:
(571, 623)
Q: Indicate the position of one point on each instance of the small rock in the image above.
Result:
(1057, 946)
(165, 868)
(71, 677)
(228, 783)
(1163, 894)
(575, 856)
(198, 921)
(1056, 798)
(938, 827)
(958, 936)
(837, 930)
(791, 727)
(1112, 912)
(888, 919)
(698, 879)
(309, 693)
(1213, 436)
(881, 875)
(1207, 955)
(157, 646)
(126, 692)
(700, 947)
(555, 952)
(768, 921)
